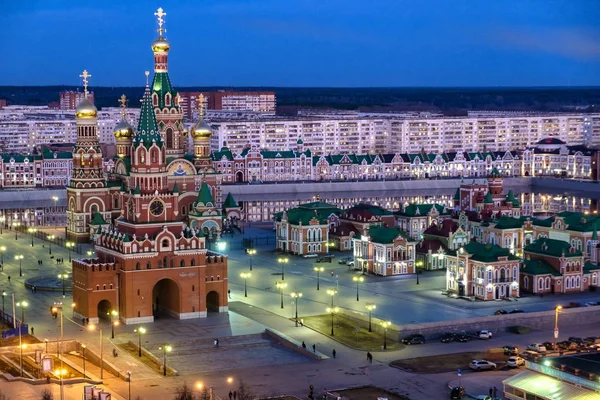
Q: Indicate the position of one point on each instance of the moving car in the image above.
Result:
(310, 255)
(448, 337)
(515, 361)
(480, 365)
(414, 339)
(484, 334)
(345, 261)
(579, 341)
(540, 348)
(516, 311)
(510, 350)
(500, 312)
(463, 338)
(325, 258)
(457, 393)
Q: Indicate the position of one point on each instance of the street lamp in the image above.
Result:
(83, 346)
(92, 328)
(23, 304)
(16, 224)
(318, 270)
(70, 246)
(54, 310)
(140, 331)
(251, 252)
(281, 286)
(21, 347)
(296, 296)
(129, 380)
(556, 311)
(2, 220)
(419, 264)
(245, 276)
(332, 311)
(50, 239)
(63, 277)
(32, 231)
(370, 307)
(331, 292)
(3, 296)
(330, 245)
(357, 279)
(385, 325)
(20, 258)
(166, 349)
(73, 305)
(282, 261)
(2, 250)
(113, 322)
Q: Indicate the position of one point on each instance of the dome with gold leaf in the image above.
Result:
(201, 130)
(123, 130)
(86, 109)
(161, 45)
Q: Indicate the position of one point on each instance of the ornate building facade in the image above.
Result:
(151, 218)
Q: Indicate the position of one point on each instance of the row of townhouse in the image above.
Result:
(550, 157)
(376, 134)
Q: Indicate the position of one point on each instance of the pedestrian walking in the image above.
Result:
(231, 394)
(495, 391)
(314, 348)
(34, 289)
(491, 391)
(229, 293)
(333, 352)
(332, 274)
(302, 322)
(9, 279)
(369, 357)
(303, 345)
(234, 394)
(32, 331)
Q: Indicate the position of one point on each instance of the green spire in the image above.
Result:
(98, 219)
(230, 202)
(161, 85)
(175, 188)
(510, 197)
(137, 190)
(595, 235)
(488, 198)
(147, 132)
(495, 173)
(204, 195)
(457, 194)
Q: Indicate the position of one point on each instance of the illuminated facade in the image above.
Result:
(385, 251)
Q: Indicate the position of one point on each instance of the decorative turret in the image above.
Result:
(160, 46)
(201, 132)
(147, 132)
(495, 180)
(123, 131)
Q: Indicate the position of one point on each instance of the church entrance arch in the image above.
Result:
(166, 299)
(239, 176)
(212, 301)
(104, 309)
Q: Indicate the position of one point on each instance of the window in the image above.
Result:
(148, 265)
(138, 292)
(540, 284)
(193, 288)
(212, 278)
(111, 285)
(218, 277)
(165, 243)
(193, 262)
(182, 263)
(104, 287)
(97, 287)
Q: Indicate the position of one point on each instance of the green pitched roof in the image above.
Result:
(488, 198)
(161, 85)
(98, 219)
(304, 213)
(204, 195)
(147, 132)
(487, 252)
(595, 234)
(383, 235)
(419, 210)
(225, 152)
(538, 267)
(495, 173)
(230, 202)
(375, 210)
(589, 267)
(137, 190)
(457, 194)
(509, 223)
(552, 247)
(48, 154)
(175, 188)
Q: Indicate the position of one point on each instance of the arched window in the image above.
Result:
(212, 278)
(218, 277)
(137, 266)
(169, 135)
(111, 286)
(526, 282)
(148, 266)
(97, 287)
(206, 279)
(165, 261)
(193, 288)
(540, 284)
(193, 262)
(138, 292)
(104, 287)
(165, 243)
(182, 263)
(154, 156)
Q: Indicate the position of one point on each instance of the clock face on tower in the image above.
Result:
(157, 208)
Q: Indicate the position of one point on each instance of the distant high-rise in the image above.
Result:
(262, 102)
(70, 99)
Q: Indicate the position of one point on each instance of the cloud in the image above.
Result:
(574, 43)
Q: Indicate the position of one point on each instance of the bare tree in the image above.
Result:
(47, 395)
(184, 392)
(244, 393)
(204, 395)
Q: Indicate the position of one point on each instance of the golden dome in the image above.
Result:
(161, 45)
(86, 109)
(123, 130)
(201, 130)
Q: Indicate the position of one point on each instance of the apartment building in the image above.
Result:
(260, 102)
(70, 99)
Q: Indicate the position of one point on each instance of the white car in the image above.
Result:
(540, 348)
(311, 255)
(350, 263)
(485, 335)
(515, 361)
(479, 365)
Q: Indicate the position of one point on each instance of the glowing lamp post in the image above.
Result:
(63, 277)
(556, 311)
(93, 328)
(16, 224)
(20, 258)
(357, 279)
(332, 311)
(140, 331)
(296, 296)
(283, 261)
(2, 250)
(370, 307)
(50, 239)
(331, 292)
(70, 246)
(166, 349)
(251, 252)
(23, 304)
(281, 286)
(385, 325)
(114, 315)
(245, 276)
(32, 232)
(318, 270)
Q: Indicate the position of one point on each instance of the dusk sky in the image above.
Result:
(347, 43)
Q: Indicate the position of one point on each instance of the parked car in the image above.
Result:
(463, 338)
(510, 350)
(516, 311)
(448, 337)
(549, 346)
(344, 261)
(540, 348)
(479, 365)
(457, 393)
(500, 312)
(484, 335)
(414, 339)
(310, 255)
(579, 341)
(567, 345)
(592, 340)
(515, 361)
(350, 263)
(325, 258)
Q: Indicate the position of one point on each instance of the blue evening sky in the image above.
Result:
(306, 42)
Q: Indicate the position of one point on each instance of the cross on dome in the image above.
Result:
(123, 101)
(85, 75)
(160, 14)
(200, 106)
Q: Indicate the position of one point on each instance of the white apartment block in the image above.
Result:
(374, 134)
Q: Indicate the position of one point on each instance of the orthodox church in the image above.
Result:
(151, 216)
